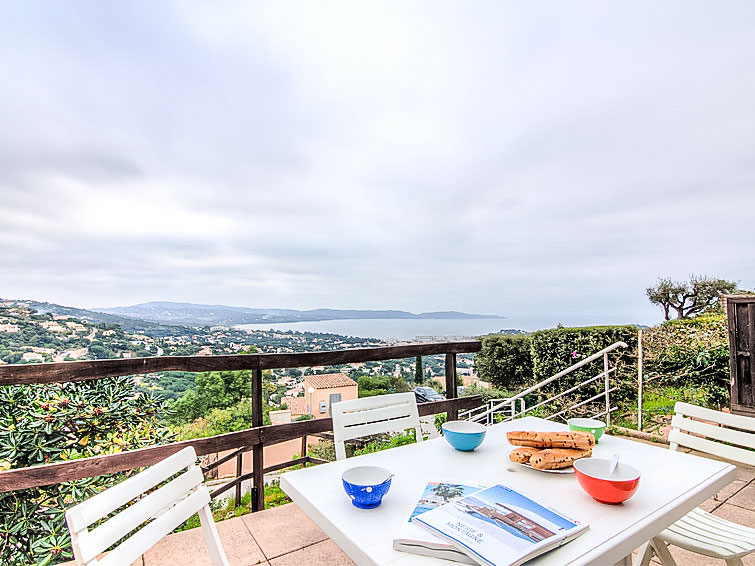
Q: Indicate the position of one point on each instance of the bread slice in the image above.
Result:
(522, 454)
(573, 439)
(555, 458)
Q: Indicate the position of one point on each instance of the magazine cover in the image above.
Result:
(499, 526)
(417, 540)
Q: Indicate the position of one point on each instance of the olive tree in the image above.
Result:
(689, 298)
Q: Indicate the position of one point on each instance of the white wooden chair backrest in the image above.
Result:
(721, 434)
(165, 509)
(373, 415)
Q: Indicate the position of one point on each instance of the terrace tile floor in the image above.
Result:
(285, 536)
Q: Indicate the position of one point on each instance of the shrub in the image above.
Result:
(505, 361)
(48, 423)
(221, 421)
(487, 393)
(388, 441)
(556, 349)
(223, 509)
(214, 390)
(514, 362)
(439, 419)
(325, 449)
(380, 385)
(692, 354)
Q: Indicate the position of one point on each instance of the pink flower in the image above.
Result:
(574, 355)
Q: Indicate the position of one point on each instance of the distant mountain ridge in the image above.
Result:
(189, 314)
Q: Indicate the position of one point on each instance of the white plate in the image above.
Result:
(569, 470)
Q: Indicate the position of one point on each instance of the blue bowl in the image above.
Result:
(366, 485)
(464, 435)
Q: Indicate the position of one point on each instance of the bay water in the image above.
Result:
(412, 329)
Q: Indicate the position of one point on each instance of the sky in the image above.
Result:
(492, 157)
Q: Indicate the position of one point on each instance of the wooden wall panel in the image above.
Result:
(740, 310)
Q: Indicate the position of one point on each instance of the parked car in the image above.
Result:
(425, 394)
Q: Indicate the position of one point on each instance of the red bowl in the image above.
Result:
(592, 476)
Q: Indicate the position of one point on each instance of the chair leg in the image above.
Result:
(661, 549)
(645, 554)
(735, 561)
(211, 538)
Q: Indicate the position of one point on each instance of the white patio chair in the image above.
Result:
(373, 415)
(168, 506)
(699, 531)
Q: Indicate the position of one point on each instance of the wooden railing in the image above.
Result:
(254, 438)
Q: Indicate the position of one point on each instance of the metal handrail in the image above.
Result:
(511, 401)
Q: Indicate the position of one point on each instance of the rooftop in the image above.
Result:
(328, 380)
(297, 405)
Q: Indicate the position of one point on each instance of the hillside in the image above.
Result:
(58, 333)
(126, 323)
(29, 336)
(210, 315)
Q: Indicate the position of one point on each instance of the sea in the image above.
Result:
(402, 329)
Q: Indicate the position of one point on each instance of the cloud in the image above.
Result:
(502, 157)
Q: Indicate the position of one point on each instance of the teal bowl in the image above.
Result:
(463, 435)
(596, 427)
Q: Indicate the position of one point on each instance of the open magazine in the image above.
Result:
(417, 540)
(499, 526)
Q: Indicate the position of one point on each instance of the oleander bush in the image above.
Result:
(47, 423)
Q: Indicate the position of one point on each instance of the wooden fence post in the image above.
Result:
(453, 414)
(239, 471)
(258, 466)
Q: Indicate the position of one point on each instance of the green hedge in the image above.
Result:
(505, 360)
(515, 362)
(556, 349)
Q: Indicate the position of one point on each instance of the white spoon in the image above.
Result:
(612, 466)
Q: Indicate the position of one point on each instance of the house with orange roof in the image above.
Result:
(322, 390)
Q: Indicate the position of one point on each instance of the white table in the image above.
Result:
(671, 485)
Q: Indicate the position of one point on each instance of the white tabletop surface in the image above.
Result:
(671, 485)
